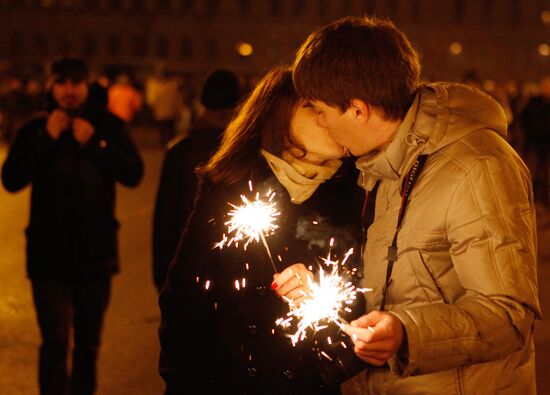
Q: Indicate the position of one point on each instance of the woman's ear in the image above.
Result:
(359, 110)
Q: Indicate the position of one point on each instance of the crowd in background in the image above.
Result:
(168, 104)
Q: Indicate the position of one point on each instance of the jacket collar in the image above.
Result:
(398, 156)
(441, 114)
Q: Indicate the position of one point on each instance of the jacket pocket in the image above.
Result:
(432, 277)
(425, 278)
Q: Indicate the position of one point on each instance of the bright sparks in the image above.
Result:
(324, 302)
(251, 221)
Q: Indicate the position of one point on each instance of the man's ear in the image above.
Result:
(359, 110)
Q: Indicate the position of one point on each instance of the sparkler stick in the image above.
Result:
(251, 221)
(268, 252)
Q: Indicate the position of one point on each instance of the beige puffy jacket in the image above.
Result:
(464, 284)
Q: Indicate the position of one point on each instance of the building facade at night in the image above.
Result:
(500, 39)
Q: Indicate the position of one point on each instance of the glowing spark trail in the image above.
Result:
(251, 221)
(324, 302)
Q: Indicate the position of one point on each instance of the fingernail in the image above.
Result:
(274, 285)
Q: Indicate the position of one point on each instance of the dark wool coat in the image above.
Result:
(222, 339)
(72, 232)
(535, 120)
(178, 187)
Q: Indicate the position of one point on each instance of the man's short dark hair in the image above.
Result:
(359, 58)
(68, 67)
(222, 90)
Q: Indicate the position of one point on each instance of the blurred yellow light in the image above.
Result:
(544, 49)
(455, 48)
(244, 48)
(545, 17)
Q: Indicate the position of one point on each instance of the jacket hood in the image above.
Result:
(441, 114)
(451, 111)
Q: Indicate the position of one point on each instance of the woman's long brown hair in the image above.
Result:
(262, 121)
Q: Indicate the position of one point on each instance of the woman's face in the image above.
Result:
(315, 139)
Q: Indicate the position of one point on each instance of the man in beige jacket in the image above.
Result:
(454, 297)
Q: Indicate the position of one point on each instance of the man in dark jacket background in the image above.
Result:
(72, 156)
(178, 184)
(535, 120)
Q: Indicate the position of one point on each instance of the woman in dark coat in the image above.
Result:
(218, 332)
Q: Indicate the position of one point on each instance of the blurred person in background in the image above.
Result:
(535, 119)
(103, 80)
(178, 184)
(191, 109)
(72, 156)
(512, 90)
(36, 95)
(165, 101)
(489, 86)
(124, 99)
(15, 107)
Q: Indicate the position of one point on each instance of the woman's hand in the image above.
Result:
(292, 284)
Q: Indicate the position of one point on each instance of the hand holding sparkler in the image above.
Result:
(293, 283)
(377, 336)
(317, 304)
(325, 301)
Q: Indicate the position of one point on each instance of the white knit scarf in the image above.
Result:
(300, 178)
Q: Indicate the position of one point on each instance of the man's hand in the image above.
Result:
(377, 336)
(292, 284)
(82, 130)
(58, 121)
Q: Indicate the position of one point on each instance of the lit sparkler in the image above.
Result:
(324, 302)
(251, 221)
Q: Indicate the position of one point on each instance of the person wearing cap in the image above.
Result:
(221, 92)
(71, 156)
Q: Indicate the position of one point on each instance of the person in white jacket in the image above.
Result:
(451, 252)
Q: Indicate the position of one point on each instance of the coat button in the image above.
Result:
(252, 372)
(260, 290)
(252, 329)
(289, 374)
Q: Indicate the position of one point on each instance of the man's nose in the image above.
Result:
(70, 86)
(321, 121)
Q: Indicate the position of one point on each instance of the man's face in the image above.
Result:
(69, 93)
(346, 128)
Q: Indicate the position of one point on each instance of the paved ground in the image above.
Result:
(130, 348)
